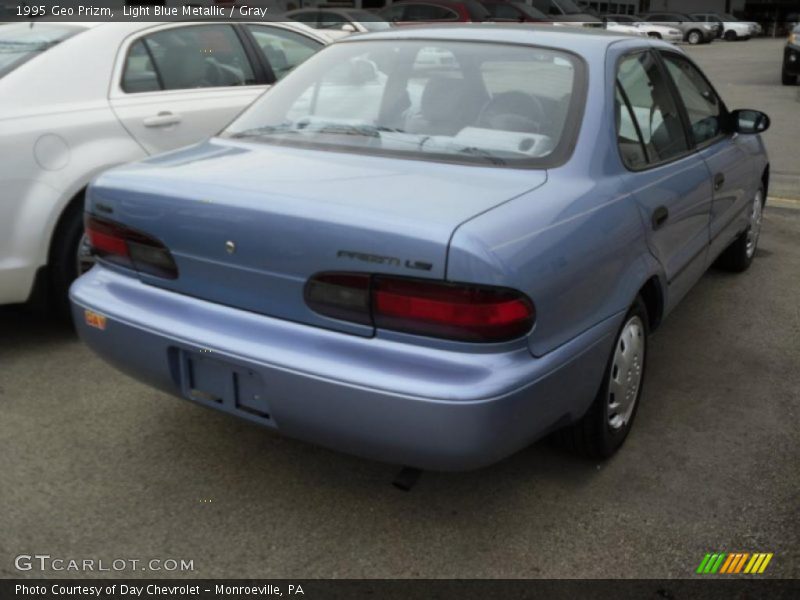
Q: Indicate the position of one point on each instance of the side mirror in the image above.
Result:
(349, 28)
(748, 121)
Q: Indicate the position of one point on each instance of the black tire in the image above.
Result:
(731, 36)
(655, 35)
(787, 78)
(63, 258)
(593, 435)
(694, 37)
(736, 257)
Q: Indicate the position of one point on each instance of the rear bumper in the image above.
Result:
(395, 402)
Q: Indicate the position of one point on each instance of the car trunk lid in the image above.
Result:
(249, 224)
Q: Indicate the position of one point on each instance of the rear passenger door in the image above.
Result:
(668, 179)
(729, 164)
(180, 84)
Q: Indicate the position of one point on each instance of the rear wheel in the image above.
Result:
(603, 429)
(694, 37)
(730, 35)
(787, 78)
(655, 34)
(739, 255)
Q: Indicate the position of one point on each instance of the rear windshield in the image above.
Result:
(20, 42)
(438, 100)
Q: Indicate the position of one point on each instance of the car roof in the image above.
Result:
(580, 40)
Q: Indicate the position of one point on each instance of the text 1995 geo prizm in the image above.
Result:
(565, 189)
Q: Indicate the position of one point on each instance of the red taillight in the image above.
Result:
(105, 238)
(464, 312)
(130, 248)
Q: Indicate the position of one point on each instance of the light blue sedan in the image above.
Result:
(430, 247)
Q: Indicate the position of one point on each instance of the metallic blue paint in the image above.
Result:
(576, 239)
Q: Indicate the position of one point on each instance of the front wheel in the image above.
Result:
(739, 255)
(730, 36)
(787, 78)
(603, 429)
(694, 37)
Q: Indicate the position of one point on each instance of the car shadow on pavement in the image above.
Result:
(24, 327)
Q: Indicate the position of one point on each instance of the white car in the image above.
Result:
(339, 22)
(661, 32)
(78, 98)
(623, 29)
(732, 28)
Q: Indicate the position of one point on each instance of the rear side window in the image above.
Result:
(629, 137)
(140, 74)
(282, 49)
(21, 42)
(652, 108)
(183, 58)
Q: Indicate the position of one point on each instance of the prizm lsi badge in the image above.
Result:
(392, 261)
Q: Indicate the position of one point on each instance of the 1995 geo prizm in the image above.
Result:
(432, 246)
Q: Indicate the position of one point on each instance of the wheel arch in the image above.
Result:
(652, 294)
(58, 231)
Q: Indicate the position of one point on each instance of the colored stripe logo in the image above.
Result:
(734, 562)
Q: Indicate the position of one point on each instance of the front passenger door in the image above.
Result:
(725, 155)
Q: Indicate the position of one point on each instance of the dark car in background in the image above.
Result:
(791, 58)
(694, 31)
(435, 11)
(505, 10)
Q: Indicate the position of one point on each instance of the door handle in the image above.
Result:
(163, 119)
(660, 217)
(719, 181)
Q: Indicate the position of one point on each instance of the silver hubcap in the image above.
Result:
(84, 257)
(756, 215)
(626, 373)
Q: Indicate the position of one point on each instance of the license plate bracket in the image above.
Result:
(222, 384)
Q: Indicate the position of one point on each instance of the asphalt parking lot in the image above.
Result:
(748, 75)
(96, 465)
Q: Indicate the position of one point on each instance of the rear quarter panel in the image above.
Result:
(576, 245)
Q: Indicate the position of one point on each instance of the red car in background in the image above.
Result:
(410, 12)
(505, 10)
